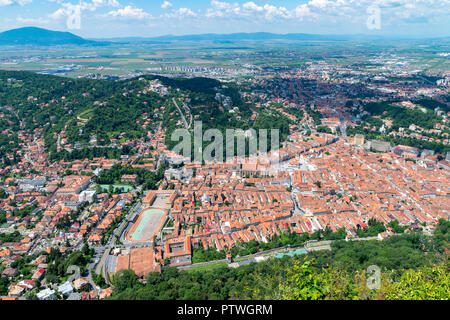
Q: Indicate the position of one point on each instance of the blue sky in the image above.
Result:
(119, 18)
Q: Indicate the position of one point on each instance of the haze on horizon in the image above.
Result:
(140, 18)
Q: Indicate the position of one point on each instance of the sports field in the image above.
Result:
(292, 253)
(124, 188)
(147, 225)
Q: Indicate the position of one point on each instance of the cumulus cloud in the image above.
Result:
(180, 13)
(220, 9)
(333, 11)
(34, 21)
(185, 12)
(248, 9)
(302, 11)
(130, 12)
(323, 12)
(73, 12)
(4, 3)
(166, 5)
(100, 3)
(319, 3)
(268, 11)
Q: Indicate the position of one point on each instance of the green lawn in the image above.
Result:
(207, 268)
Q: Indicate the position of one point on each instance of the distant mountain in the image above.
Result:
(44, 37)
(264, 36)
(250, 36)
(40, 37)
(258, 36)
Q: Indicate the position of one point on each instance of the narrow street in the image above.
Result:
(182, 115)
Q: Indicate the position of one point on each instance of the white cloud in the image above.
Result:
(322, 12)
(221, 9)
(180, 13)
(186, 12)
(302, 11)
(58, 14)
(73, 12)
(268, 11)
(250, 10)
(320, 3)
(252, 7)
(34, 21)
(100, 3)
(330, 11)
(11, 2)
(166, 5)
(130, 12)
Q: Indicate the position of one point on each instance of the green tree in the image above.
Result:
(304, 283)
(85, 250)
(426, 283)
(124, 279)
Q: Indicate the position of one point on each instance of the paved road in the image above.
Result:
(309, 246)
(182, 115)
(105, 250)
(90, 268)
(297, 210)
(342, 125)
(188, 110)
(101, 267)
(243, 258)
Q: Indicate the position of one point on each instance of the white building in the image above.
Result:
(66, 288)
(87, 196)
(47, 294)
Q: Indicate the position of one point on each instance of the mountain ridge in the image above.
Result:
(40, 36)
(260, 36)
(45, 37)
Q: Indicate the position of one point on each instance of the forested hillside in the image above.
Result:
(40, 37)
(78, 111)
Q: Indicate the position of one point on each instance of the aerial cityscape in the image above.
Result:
(247, 163)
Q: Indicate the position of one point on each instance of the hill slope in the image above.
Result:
(84, 109)
(38, 36)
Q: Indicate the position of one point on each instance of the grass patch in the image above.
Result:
(207, 268)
